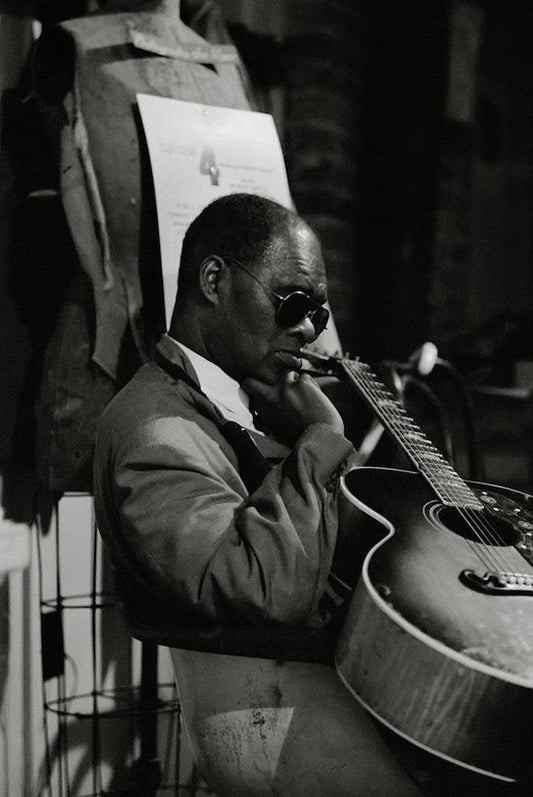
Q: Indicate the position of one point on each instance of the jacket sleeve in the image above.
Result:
(179, 519)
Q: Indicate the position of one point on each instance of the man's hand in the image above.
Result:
(292, 405)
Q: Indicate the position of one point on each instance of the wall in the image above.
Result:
(502, 223)
(483, 260)
(15, 733)
(311, 54)
(15, 36)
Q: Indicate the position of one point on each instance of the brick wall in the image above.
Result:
(321, 140)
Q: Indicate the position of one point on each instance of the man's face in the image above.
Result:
(250, 341)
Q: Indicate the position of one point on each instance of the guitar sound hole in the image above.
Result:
(479, 526)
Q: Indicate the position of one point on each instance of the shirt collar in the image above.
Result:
(221, 389)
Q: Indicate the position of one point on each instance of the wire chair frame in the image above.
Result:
(141, 714)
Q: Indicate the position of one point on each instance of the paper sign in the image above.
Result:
(199, 153)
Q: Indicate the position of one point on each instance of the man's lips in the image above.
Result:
(289, 359)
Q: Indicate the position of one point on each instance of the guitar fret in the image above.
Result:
(420, 450)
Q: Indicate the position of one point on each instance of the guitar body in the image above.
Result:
(442, 660)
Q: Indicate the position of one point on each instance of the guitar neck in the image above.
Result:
(449, 487)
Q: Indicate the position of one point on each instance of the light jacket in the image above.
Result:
(201, 563)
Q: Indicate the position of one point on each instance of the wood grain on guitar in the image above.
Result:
(437, 642)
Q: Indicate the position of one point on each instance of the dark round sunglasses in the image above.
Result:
(293, 308)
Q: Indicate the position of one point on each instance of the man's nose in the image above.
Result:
(304, 330)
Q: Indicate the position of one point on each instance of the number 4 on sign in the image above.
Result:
(208, 165)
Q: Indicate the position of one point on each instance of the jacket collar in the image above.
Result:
(172, 353)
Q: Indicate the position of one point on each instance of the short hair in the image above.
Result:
(241, 225)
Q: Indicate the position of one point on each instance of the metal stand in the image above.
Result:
(110, 726)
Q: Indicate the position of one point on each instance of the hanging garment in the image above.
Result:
(92, 68)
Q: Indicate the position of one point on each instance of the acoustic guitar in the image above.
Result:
(437, 643)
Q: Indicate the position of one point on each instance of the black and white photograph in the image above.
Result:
(266, 398)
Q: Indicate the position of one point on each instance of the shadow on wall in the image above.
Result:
(45, 10)
(15, 348)
(37, 265)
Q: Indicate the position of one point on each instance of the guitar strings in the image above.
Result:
(428, 467)
(493, 558)
(433, 466)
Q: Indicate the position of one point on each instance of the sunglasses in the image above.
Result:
(292, 309)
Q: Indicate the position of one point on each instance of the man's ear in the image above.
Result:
(209, 276)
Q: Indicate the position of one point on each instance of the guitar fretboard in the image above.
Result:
(450, 488)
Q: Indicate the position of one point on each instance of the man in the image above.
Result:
(223, 521)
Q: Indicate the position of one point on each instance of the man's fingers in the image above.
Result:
(259, 389)
(273, 393)
(269, 392)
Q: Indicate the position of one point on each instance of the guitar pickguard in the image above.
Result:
(419, 569)
(507, 510)
(509, 523)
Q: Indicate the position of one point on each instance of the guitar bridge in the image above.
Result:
(496, 582)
